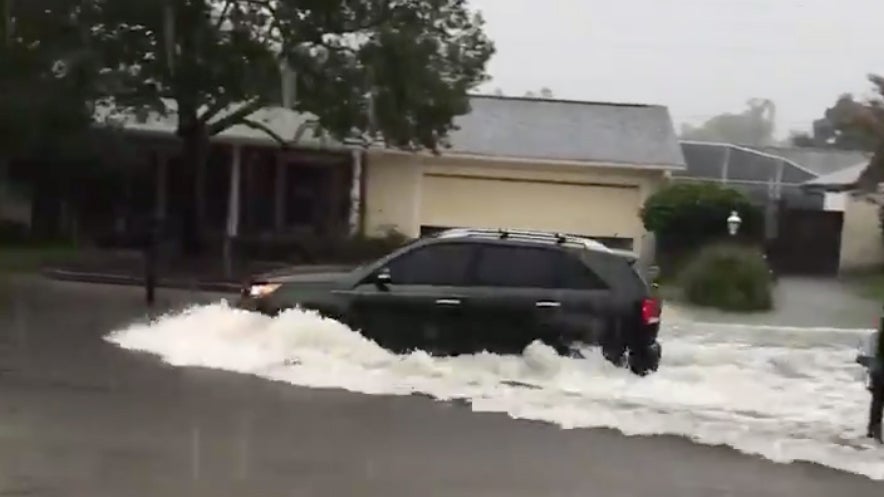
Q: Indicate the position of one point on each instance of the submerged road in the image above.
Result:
(80, 417)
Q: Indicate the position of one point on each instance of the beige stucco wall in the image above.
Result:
(407, 192)
(392, 189)
(861, 244)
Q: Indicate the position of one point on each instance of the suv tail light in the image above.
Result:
(650, 311)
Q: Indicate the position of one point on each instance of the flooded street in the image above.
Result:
(82, 415)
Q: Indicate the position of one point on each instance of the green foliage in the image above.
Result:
(837, 129)
(365, 68)
(46, 76)
(729, 277)
(693, 213)
(220, 61)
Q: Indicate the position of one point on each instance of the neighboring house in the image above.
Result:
(804, 226)
(575, 167)
(862, 244)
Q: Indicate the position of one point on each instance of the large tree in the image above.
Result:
(866, 119)
(407, 63)
(45, 78)
(835, 130)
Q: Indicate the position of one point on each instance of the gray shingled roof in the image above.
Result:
(640, 135)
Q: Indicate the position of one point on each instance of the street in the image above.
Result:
(81, 417)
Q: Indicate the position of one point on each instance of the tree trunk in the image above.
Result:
(192, 173)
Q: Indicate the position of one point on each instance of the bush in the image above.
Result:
(688, 215)
(729, 277)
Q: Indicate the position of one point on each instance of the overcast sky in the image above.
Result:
(698, 57)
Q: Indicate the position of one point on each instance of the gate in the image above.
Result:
(808, 242)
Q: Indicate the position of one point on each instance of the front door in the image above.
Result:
(426, 304)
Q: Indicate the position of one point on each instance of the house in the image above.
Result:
(581, 168)
(862, 243)
(576, 167)
(803, 226)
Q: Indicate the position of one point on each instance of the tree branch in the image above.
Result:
(263, 127)
(236, 117)
(223, 14)
(213, 109)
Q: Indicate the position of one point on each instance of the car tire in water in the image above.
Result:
(645, 361)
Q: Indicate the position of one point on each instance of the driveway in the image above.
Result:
(800, 302)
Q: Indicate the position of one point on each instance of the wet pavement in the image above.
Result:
(800, 302)
(80, 417)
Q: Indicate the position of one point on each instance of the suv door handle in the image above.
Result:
(548, 304)
(447, 302)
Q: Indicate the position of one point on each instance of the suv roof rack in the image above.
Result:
(528, 235)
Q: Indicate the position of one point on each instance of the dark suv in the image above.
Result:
(467, 290)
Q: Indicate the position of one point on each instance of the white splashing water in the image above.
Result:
(787, 394)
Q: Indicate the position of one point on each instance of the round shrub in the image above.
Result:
(695, 212)
(729, 277)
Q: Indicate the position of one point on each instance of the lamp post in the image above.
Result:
(733, 223)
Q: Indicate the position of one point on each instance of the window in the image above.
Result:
(528, 267)
(575, 275)
(524, 267)
(441, 265)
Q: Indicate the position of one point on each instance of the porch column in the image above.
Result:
(280, 191)
(162, 187)
(355, 213)
(232, 208)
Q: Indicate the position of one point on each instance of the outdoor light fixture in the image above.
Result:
(733, 223)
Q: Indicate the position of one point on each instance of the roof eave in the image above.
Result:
(535, 160)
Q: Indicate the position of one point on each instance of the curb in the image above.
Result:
(117, 279)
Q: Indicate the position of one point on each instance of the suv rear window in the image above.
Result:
(529, 267)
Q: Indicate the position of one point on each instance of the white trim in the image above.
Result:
(532, 161)
(234, 192)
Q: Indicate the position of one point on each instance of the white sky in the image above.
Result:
(698, 57)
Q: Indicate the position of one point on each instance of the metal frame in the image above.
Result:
(525, 235)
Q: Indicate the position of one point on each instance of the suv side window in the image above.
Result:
(515, 266)
(528, 267)
(575, 275)
(445, 264)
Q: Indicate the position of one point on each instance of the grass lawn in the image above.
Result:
(869, 285)
(16, 259)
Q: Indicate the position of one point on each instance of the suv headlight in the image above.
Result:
(262, 289)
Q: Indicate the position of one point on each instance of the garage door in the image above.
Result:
(598, 210)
